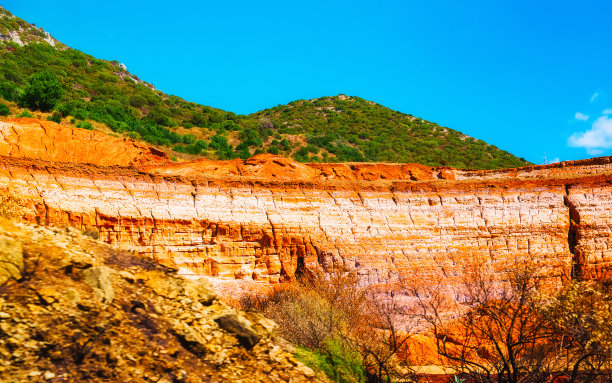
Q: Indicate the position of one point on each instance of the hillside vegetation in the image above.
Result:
(327, 129)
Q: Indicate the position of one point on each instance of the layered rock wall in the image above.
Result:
(267, 233)
(264, 220)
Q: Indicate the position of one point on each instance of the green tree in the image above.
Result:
(43, 91)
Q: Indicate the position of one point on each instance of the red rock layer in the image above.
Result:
(266, 219)
(46, 140)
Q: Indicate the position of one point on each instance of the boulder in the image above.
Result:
(11, 259)
(202, 291)
(241, 328)
(99, 278)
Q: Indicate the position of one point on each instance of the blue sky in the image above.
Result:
(533, 78)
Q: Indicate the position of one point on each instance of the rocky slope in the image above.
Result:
(73, 309)
(262, 221)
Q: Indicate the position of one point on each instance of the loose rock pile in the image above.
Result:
(74, 309)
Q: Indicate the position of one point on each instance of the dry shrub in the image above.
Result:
(501, 326)
(331, 314)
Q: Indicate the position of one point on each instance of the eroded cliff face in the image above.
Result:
(264, 220)
(46, 140)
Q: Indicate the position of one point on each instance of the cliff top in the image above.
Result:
(50, 142)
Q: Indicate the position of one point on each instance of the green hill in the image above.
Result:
(327, 129)
(354, 129)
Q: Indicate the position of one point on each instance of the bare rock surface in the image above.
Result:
(46, 140)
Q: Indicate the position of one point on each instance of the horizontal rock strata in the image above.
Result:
(253, 231)
(265, 220)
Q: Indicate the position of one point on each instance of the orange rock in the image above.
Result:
(48, 141)
(257, 222)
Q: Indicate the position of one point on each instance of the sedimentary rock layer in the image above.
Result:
(264, 220)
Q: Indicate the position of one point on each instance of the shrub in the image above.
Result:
(43, 91)
(346, 330)
(340, 363)
(179, 148)
(84, 125)
(55, 117)
(160, 116)
(80, 114)
(242, 151)
(189, 139)
(10, 91)
(137, 101)
(25, 113)
(508, 329)
(65, 109)
(4, 110)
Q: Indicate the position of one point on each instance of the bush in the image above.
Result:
(84, 125)
(43, 91)
(137, 101)
(25, 113)
(65, 109)
(343, 329)
(509, 329)
(340, 363)
(4, 110)
(55, 117)
(10, 91)
(80, 114)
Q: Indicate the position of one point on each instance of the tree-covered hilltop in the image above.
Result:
(354, 129)
(327, 129)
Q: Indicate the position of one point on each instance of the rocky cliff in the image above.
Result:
(262, 221)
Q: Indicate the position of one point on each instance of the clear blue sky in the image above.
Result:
(532, 77)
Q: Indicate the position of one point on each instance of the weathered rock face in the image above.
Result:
(46, 140)
(264, 220)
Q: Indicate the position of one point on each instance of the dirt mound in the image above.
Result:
(46, 140)
(73, 310)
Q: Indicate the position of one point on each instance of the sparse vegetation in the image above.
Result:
(499, 326)
(344, 330)
(508, 329)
